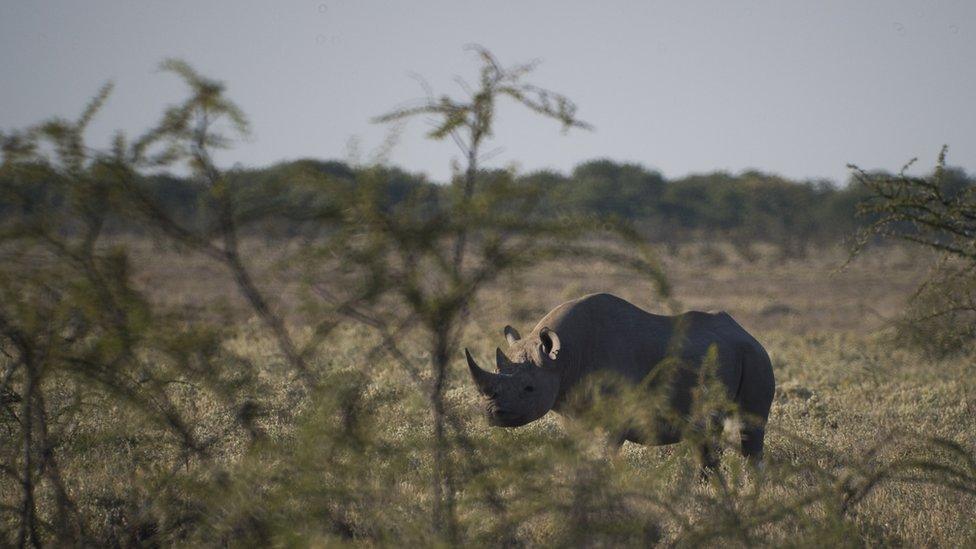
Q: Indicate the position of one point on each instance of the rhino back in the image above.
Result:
(602, 332)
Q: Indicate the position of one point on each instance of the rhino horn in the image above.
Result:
(502, 362)
(511, 335)
(484, 380)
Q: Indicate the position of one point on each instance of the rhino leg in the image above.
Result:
(708, 454)
(752, 438)
(710, 447)
(754, 399)
(632, 434)
(615, 441)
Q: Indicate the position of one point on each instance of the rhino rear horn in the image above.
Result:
(511, 335)
(485, 381)
(502, 362)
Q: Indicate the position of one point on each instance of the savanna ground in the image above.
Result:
(846, 394)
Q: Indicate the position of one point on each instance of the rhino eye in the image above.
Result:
(529, 388)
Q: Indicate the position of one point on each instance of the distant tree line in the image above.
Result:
(742, 209)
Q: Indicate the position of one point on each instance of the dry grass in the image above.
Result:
(843, 391)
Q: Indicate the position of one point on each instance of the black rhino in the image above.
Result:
(602, 333)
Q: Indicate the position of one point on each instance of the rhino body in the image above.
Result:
(602, 333)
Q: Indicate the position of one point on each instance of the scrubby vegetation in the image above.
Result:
(938, 213)
(273, 356)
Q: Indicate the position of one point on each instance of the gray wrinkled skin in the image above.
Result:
(601, 333)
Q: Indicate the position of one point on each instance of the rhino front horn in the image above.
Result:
(484, 380)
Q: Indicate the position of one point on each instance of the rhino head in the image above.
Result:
(524, 387)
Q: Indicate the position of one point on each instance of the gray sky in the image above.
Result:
(799, 88)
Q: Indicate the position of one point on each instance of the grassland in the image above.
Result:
(848, 401)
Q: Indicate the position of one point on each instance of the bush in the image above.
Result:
(937, 213)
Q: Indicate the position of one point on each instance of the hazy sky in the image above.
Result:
(799, 88)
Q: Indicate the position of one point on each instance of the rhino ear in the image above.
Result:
(550, 343)
(511, 335)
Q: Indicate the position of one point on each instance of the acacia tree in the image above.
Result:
(937, 212)
(469, 121)
(416, 269)
(70, 321)
(73, 324)
(930, 211)
(190, 132)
